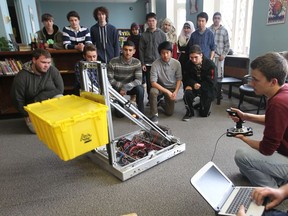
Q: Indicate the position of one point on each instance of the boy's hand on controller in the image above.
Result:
(239, 115)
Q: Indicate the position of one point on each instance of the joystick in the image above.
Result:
(239, 128)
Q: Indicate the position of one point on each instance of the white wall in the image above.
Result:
(266, 38)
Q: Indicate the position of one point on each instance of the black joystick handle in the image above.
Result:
(233, 113)
(238, 129)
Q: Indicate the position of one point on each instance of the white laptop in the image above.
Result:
(215, 187)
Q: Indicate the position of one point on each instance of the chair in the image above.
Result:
(228, 81)
(235, 68)
(247, 90)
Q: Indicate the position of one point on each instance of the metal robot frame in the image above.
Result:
(105, 156)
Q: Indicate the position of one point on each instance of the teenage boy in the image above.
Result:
(203, 37)
(265, 161)
(149, 43)
(50, 35)
(75, 36)
(200, 76)
(37, 81)
(89, 55)
(104, 36)
(221, 41)
(125, 75)
(166, 78)
(275, 196)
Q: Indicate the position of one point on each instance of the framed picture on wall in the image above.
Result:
(277, 12)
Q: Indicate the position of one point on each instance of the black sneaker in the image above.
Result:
(154, 119)
(187, 116)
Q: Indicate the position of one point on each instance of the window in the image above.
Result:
(237, 18)
(176, 12)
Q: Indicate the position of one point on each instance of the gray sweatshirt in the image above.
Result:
(29, 87)
(148, 47)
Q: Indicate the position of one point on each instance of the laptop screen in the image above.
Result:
(213, 186)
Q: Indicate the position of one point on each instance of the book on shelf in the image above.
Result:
(19, 64)
(64, 71)
(24, 47)
(10, 66)
(13, 65)
(5, 68)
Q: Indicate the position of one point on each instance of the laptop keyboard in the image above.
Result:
(243, 197)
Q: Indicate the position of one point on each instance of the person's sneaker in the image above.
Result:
(31, 127)
(187, 116)
(154, 119)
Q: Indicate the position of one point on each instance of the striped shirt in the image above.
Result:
(72, 37)
(124, 75)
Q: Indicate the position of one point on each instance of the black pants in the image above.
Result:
(205, 102)
(147, 79)
(139, 92)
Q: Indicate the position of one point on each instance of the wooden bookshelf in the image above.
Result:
(64, 60)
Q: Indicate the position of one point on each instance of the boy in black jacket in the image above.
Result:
(200, 78)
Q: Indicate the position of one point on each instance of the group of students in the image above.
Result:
(152, 53)
(264, 162)
(147, 49)
(103, 35)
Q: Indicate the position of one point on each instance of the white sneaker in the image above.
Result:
(30, 125)
(154, 119)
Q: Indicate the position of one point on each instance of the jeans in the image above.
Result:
(262, 170)
(275, 213)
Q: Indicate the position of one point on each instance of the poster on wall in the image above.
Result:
(277, 12)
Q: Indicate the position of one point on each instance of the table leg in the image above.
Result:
(230, 91)
(219, 93)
